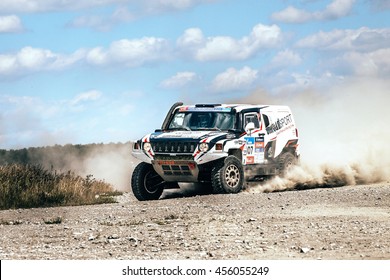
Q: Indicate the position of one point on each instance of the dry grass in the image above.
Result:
(27, 186)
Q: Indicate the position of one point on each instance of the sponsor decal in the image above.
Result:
(259, 144)
(183, 109)
(259, 158)
(204, 109)
(250, 160)
(279, 124)
(253, 150)
(173, 162)
(259, 139)
(180, 134)
(250, 140)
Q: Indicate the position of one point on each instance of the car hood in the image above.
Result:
(186, 135)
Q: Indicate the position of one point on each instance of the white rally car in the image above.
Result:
(218, 145)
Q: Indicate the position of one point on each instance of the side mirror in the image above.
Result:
(249, 127)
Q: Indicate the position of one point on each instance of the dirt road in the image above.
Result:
(351, 222)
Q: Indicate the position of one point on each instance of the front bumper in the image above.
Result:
(178, 161)
(176, 170)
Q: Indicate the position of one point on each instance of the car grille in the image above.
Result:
(174, 147)
(176, 170)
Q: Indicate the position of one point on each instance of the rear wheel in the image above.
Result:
(146, 183)
(285, 162)
(228, 176)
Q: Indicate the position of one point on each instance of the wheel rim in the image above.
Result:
(232, 176)
(289, 164)
(152, 182)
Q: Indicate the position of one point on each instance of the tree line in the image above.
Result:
(57, 156)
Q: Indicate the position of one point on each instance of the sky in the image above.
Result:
(100, 71)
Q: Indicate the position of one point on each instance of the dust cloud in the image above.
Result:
(344, 135)
(111, 164)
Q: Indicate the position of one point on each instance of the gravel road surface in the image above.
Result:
(351, 222)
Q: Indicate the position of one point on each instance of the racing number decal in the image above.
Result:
(254, 150)
(250, 142)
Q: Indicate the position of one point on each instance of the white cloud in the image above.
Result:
(7, 64)
(142, 51)
(127, 53)
(104, 23)
(37, 6)
(336, 9)
(130, 53)
(369, 64)
(202, 48)
(380, 5)
(34, 59)
(382, 59)
(233, 79)
(159, 6)
(292, 15)
(362, 52)
(91, 21)
(87, 96)
(123, 10)
(191, 41)
(286, 58)
(29, 60)
(181, 79)
(362, 39)
(10, 24)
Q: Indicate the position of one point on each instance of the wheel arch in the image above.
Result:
(236, 152)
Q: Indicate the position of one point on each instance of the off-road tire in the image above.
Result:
(285, 162)
(146, 183)
(227, 176)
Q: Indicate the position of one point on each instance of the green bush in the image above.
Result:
(27, 186)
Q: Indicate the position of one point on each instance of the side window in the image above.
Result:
(266, 120)
(177, 120)
(252, 117)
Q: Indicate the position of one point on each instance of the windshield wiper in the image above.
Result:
(180, 128)
(208, 128)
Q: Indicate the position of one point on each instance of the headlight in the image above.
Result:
(147, 146)
(203, 147)
(136, 146)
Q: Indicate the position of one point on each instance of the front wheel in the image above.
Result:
(228, 176)
(146, 183)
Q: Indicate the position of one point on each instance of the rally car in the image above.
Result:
(218, 145)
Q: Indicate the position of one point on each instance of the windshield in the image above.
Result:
(202, 120)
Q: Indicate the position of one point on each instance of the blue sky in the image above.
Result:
(92, 71)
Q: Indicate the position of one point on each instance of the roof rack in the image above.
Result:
(207, 105)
